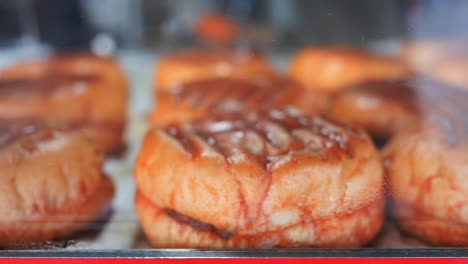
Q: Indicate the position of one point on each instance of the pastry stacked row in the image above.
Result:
(59, 117)
(422, 115)
(244, 158)
(249, 161)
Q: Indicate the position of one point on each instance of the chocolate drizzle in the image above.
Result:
(43, 85)
(426, 99)
(265, 136)
(400, 92)
(238, 95)
(188, 143)
(12, 131)
(198, 225)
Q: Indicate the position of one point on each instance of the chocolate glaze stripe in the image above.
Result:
(190, 145)
(277, 133)
(213, 93)
(236, 95)
(231, 90)
(187, 94)
(287, 130)
(195, 93)
(259, 126)
(181, 95)
(399, 91)
(198, 225)
(263, 98)
(239, 95)
(224, 142)
(285, 119)
(14, 132)
(310, 141)
(248, 89)
(292, 123)
(258, 137)
(211, 141)
(335, 134)
(261, 131)
(216, 95)
(195, 100)
(257, 97)
(278, 91)
(43, 84)
(224, 148)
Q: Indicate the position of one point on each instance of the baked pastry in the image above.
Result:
(217, 29)
(191, 65)
(335, 68)
(51, 184)
(226, 95)
(382, 108)
(81, 91)
(259, 180)
(386, 107)
(427, 169)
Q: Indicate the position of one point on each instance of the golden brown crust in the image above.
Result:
(353, 229)
(51, 183)
(230, 95)
(386, 107)
(382, 108)
(427, 170)
(80, 91)
(425, 166)
(216, 28)
(259, 172)
(437, 231)
(191, 65)
(333, 69)
(60, 223)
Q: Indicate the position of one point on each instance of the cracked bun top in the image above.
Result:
(238, 171)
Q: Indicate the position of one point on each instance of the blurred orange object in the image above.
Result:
(199, 99)
(216, 28)
(333, 69)
(191, 65)
(79, 90)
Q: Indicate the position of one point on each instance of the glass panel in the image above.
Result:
(218, 125)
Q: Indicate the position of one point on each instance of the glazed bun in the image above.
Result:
(259, 180)
(382, 108)
(332, 69)
(230, 95)
(427, 169)
(192, 65)
(385, 108)
(79, 91)
(51, 183)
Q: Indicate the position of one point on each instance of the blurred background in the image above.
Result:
(271, 25)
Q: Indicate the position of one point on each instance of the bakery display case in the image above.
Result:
(234, 129)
